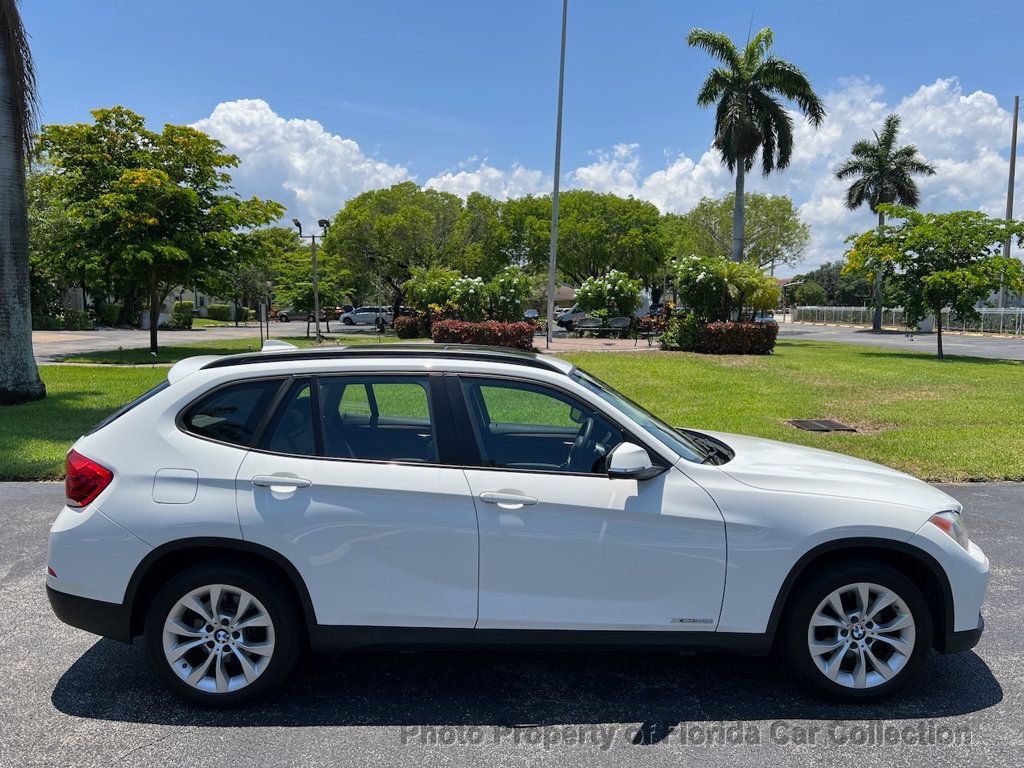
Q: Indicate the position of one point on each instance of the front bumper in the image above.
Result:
(111, 620)
(964, 640)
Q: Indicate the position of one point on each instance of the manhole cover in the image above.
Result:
(821, 425)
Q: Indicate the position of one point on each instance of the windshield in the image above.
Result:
(674, 439)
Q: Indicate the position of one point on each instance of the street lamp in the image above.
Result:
(553, 257)
(324, 224)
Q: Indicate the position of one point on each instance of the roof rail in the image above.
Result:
(448, 351)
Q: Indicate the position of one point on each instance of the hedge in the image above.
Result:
(739, 338)
(181, 314)
(220, 312)
(410, 327)
(489, 332)
(108, 314)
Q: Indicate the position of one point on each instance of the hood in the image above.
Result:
(776, 466)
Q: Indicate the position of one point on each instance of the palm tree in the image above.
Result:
(748, 116)
(19, 377)
(885, 174)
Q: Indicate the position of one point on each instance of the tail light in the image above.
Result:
(85, 479)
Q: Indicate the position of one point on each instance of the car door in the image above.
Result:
(354, 481)
(562, 545)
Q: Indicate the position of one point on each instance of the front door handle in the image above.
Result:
(507, 500)
(281, 482)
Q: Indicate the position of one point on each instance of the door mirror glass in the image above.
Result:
(630, 461)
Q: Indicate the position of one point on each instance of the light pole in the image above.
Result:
(1009, 188)
(324, 224)
(552, 260)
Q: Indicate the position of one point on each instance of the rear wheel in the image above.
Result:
(857, 632)
(222, 635)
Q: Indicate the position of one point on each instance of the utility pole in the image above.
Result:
(558, 169)
(323, 224)
(1009, 187)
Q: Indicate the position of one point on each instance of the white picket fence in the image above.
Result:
(990, 320)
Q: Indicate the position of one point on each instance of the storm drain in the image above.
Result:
(820, 425)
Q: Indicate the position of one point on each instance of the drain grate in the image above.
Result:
(820, 425)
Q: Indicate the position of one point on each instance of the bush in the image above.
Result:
(219, 312)
(45, 323)
(181, 314)
(490, 332)
(682, 332)
(74, 320)
(613, 291)
(108, 314)
(739, 338)
(469, 295)
(410, 327)
(508, 290)
(244, 314)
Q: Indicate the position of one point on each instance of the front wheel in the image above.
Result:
(858, 632)
(348, 321)
(222, 635)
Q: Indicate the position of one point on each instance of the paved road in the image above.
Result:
(992, 347)
(70, 698)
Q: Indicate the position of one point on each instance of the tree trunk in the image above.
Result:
(738, 214)
(938, 330)
(19, 376)
(154, 307)
(876, 319)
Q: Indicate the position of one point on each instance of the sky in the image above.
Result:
(324, 99)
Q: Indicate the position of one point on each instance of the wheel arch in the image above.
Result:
(918, 565)
(171, 557)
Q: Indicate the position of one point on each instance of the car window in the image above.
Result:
(529, 427)
(232, 414)
(291, 430)
(378, 418)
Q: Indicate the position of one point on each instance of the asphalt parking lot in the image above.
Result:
(70, 698)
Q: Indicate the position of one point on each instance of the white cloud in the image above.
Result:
(296, 162)
(965, 135)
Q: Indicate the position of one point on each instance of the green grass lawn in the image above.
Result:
(174, 353)
(958, 419)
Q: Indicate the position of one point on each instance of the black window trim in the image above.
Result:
(179, 418)
(471, 453)
(442, 422)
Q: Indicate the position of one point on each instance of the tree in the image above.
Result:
(716, 289)
(19, 376)
(884, 174)
(773, 232)
(945, 260)
(811, 294)
(382, 234)
(483, 245)
(144, 208)
(748, 115)
(841, 287)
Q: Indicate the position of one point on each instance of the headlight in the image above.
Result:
(952, 523)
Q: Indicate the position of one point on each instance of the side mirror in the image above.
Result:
(629, 461)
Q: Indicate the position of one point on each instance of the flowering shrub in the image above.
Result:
(614, 291)
(739, 338)
(410, 327)
(430, 286)
(470, 298)
(717, 289)
(490, 332)
(507, 292)
(682, 332)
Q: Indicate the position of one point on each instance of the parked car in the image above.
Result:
(405, 495)
(765, 317)
(287, 315)
(531, 315)
(655, 310)
(367, 316)
(568, 318)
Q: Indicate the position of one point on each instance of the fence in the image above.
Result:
(989, 320)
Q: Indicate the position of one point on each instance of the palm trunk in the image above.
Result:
(876, 320)
(154, 307)
(19, 376)
(738, 214)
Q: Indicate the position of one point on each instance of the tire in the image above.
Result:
(348, 321)
(283, 318)
(270, 621)
(866, 663)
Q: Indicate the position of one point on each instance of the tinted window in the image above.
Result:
(292, 429)
(232, 414)
(125, 408)
(380, 418)
(524, 426)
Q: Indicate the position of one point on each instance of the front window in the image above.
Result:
(674, 439)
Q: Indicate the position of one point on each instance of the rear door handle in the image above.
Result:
(507, 500)
(283, 482)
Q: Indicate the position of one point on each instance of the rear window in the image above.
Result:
(232, 414)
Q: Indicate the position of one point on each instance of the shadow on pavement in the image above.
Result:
(112, 681)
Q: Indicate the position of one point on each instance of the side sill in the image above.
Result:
(96, 616)
(325, 638)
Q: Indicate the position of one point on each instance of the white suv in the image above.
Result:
(257, 504)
